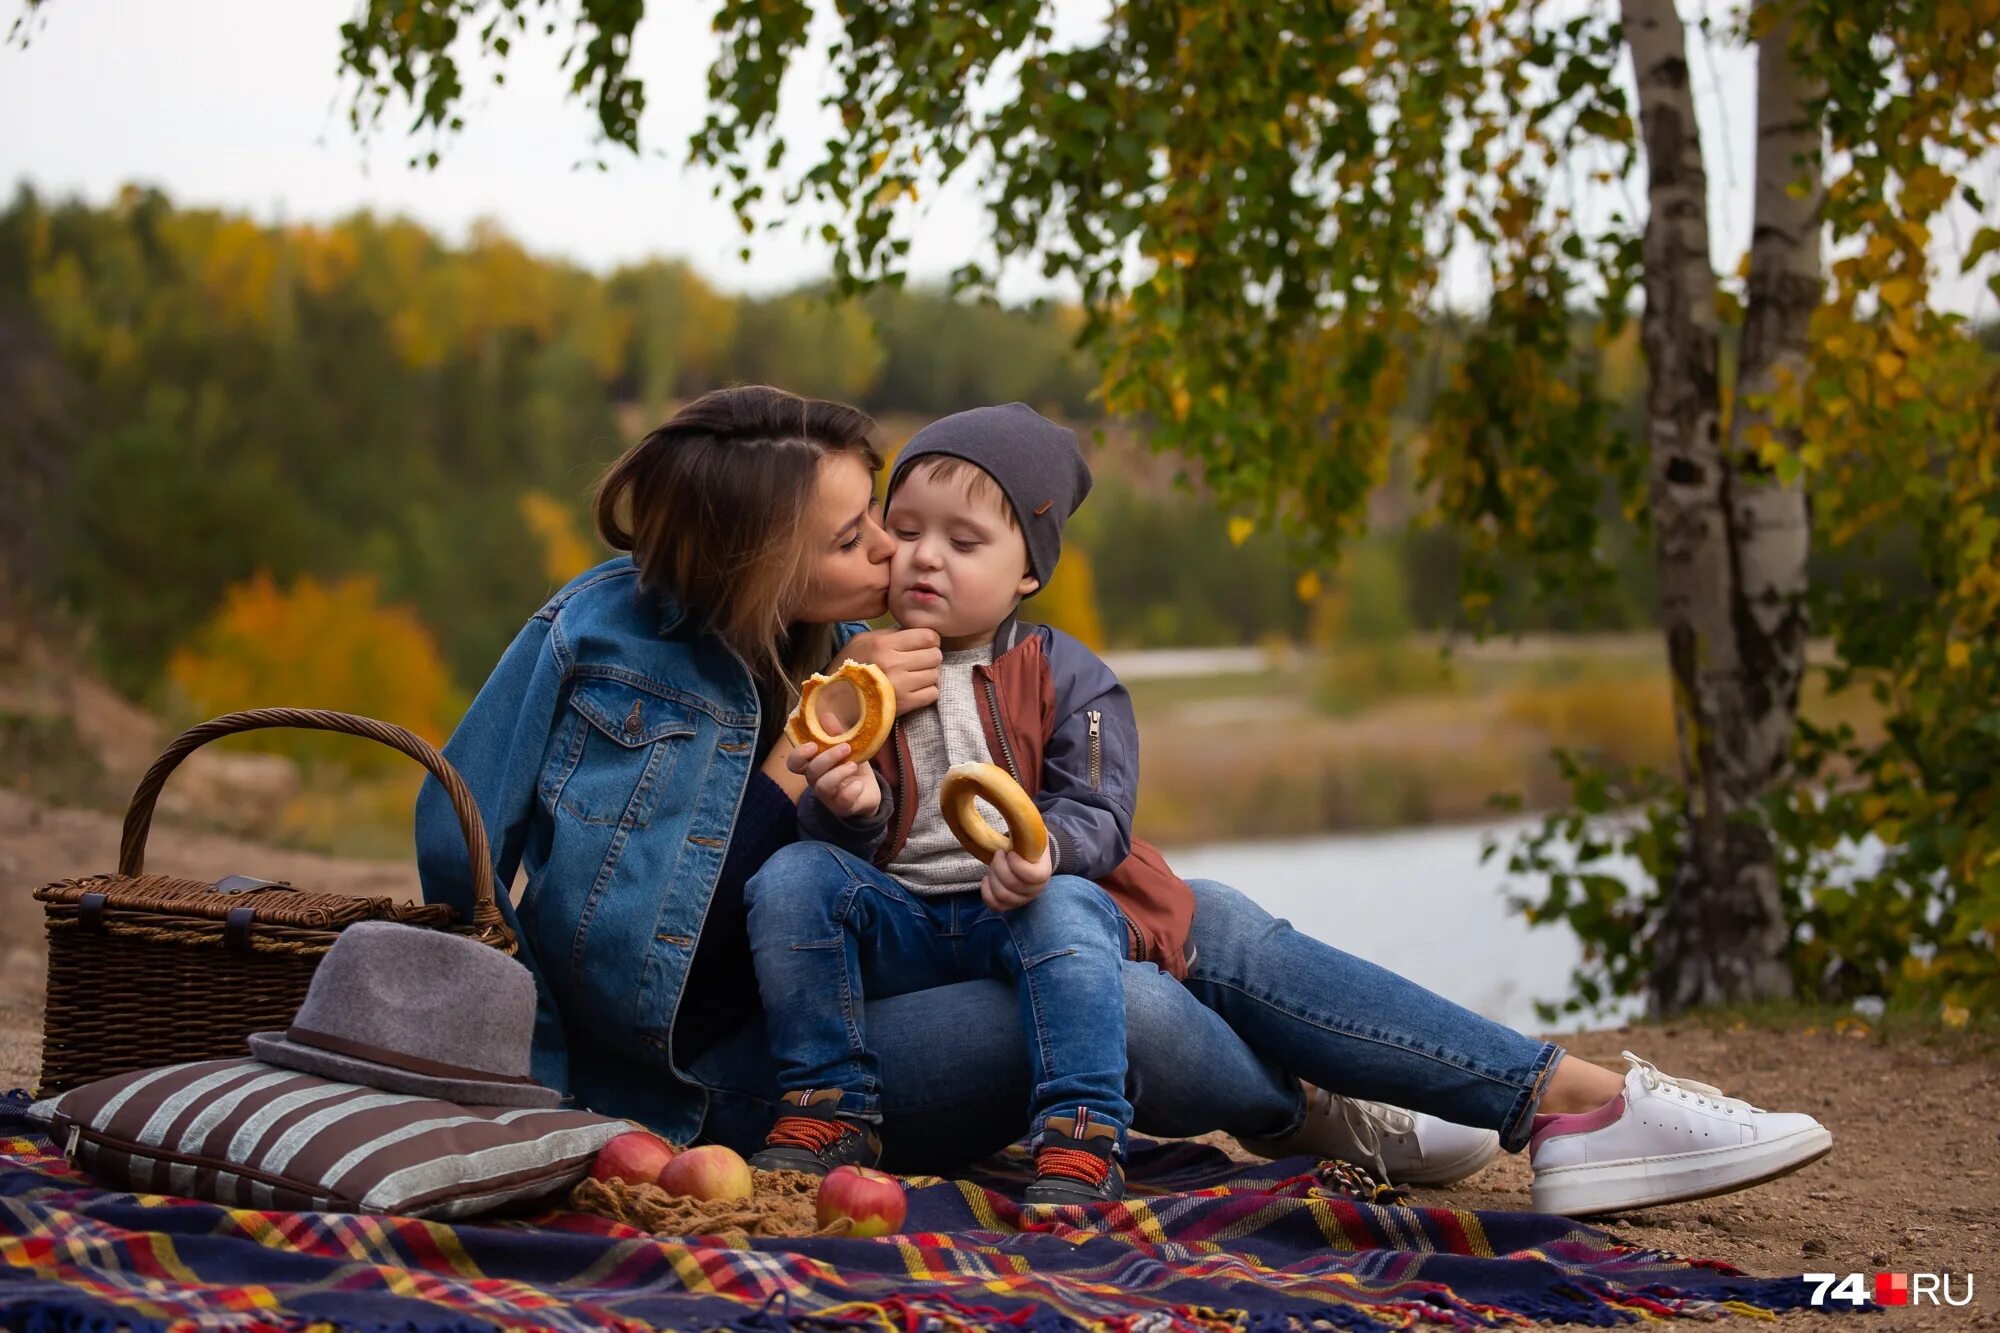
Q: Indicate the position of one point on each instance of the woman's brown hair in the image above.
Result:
(715, 507)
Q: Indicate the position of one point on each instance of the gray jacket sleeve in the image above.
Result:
(1090, 784)
(861, 838)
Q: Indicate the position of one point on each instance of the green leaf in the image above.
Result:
(1984, 242)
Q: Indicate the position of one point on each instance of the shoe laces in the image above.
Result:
(1366, 1121)
(808, 1132)
(1074, 1164)
(1704, 1094)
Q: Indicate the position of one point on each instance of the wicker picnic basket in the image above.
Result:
(149, 970)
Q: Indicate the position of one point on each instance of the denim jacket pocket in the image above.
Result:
(618, 752)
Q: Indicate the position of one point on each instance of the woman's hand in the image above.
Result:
(908, 657)
(844, 787)
(1014, 882)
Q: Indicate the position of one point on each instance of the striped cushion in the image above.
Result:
(253, 1135)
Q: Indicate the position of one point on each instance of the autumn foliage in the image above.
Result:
(324, 645)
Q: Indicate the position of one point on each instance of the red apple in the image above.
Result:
(636, 1158)
(708, 1172)
(872, 1200)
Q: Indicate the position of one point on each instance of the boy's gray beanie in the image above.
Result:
(1037, 464)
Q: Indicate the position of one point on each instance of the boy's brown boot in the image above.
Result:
(1076, 1161)
(812, 1136)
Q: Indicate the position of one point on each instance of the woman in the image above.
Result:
(627, 755)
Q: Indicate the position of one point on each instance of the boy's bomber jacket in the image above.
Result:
(1059, 722)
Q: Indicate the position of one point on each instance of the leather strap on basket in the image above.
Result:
(139, 817)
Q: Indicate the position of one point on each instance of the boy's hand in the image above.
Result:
(910, 658)
(844, 787)
(1012, 881)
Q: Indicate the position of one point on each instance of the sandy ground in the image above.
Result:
(1913, 1184)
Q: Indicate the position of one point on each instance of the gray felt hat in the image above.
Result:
(420, 1011)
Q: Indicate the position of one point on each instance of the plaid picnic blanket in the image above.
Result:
(1205, 1244)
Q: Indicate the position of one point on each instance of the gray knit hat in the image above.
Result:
(425, 1012)
(1036, 463)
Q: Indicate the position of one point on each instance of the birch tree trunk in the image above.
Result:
(1729, 539)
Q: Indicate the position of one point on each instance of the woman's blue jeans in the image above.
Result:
(1263, 1007)
(828, 930)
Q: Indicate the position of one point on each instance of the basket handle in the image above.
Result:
(139, 818)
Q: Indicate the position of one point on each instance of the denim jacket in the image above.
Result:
(608, 753)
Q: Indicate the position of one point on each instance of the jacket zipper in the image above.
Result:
(1006, 750)
(1096, 747)
(902, 801)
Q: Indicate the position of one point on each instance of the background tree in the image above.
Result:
(1256, 202)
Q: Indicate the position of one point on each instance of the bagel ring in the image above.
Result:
(1027, 836)
(878, 711)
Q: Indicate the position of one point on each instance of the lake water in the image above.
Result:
(1416, 901)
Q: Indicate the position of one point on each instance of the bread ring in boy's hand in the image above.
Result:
(878, 711)
(1027, 836)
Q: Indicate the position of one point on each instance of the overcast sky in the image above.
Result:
(237, 104)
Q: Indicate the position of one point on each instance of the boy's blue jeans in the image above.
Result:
(828, 929)
(1262, 1004)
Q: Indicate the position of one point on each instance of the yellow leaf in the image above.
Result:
(1240, 530)
(1182, 401)
(1955, 1015)
(1925, 188)
(1888, 365)
(1898, 292)
(1309, 586)
(1958, 656)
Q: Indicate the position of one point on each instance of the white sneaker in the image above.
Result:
(1407, 1147)
(1663, 1140)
